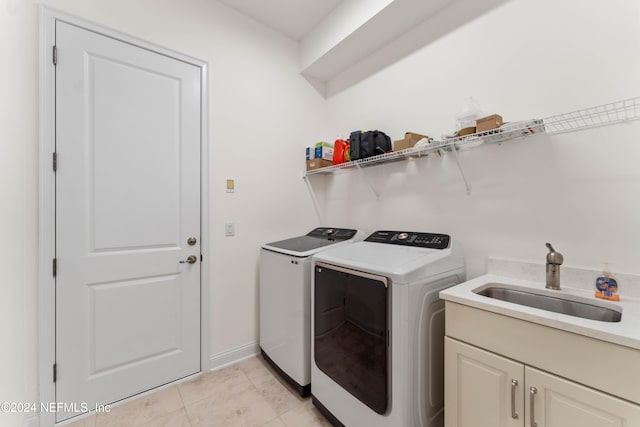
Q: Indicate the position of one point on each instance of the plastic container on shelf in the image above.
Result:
(468, 114)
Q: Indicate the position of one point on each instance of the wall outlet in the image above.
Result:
(229, 228)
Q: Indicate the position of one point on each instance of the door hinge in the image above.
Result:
(200, 257)
(55, 267)
(55, 161)
(55, 55)
(55, 372)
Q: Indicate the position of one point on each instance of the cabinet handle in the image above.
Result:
(532, 399)
(514, 385)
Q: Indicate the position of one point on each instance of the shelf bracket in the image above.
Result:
(373, 189)
(464, 178)
(313, 198)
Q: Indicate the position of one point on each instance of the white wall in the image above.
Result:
(18, 209)
(262, 115)
(525, 59)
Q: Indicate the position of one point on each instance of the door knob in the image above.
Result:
(191, 259)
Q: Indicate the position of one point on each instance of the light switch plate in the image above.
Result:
(229, 229)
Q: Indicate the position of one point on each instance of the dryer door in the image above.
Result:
(352, 322)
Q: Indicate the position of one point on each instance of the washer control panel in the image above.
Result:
(333, 233)
(411, 238)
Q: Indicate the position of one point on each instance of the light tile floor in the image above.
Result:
(246, 394)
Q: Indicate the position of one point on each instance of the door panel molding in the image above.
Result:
(46, 210)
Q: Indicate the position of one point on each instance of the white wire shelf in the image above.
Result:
(601, 115)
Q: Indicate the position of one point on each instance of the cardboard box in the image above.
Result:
(414, 136)
(310, 153)
(318, 163)
(403, 144)
(484, 124)
(467, 131)
(410, 139)
(323, 150)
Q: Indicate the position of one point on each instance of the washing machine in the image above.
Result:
(285, 301)
(378, 329)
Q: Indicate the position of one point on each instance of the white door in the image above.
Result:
(127, 201)
(482, 388)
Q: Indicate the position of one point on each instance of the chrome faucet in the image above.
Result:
(554, 261)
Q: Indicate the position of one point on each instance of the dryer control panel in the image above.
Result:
(332, 233)
(411, 238)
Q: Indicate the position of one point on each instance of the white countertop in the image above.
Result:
(626, 332)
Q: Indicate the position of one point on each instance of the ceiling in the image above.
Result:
(342, 42)
(293, 18)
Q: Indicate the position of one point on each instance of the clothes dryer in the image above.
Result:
(378, 329)
(285, 300)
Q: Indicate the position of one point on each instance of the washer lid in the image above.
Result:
(314, 241)
(401, 259)
(388, 258)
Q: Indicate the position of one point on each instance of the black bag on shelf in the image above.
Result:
(367, 144)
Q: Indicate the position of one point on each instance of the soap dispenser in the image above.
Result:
(606, 285)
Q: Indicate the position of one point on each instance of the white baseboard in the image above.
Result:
(229, 357)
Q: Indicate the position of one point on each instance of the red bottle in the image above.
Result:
(340, 150)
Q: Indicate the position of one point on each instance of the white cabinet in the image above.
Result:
(483, 389)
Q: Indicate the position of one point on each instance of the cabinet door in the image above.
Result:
(479, 390)
(561, 403)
